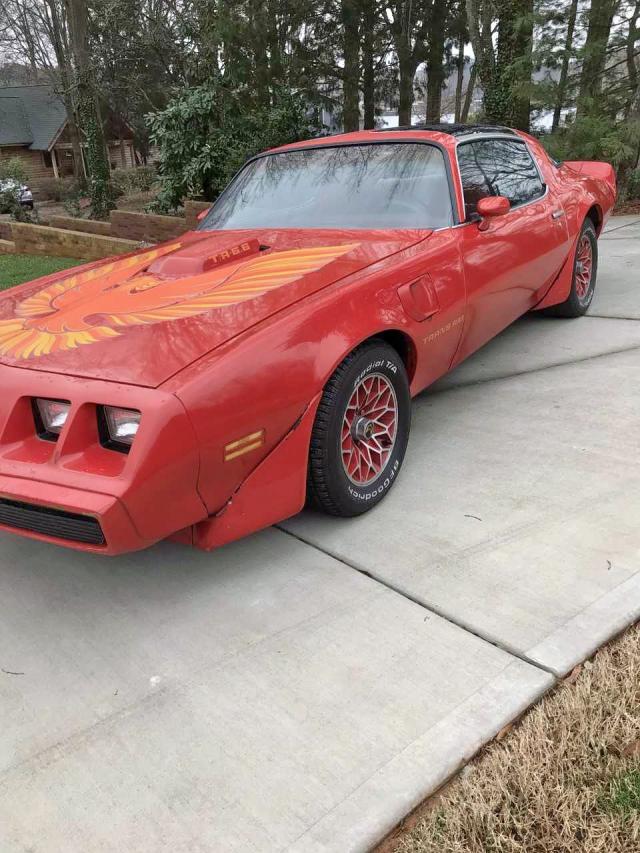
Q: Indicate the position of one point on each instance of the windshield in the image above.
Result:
(395, 185)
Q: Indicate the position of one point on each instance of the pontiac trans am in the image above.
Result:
(210, 386)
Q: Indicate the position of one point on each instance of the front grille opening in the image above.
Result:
(57, 523)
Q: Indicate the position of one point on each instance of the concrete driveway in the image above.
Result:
(303, 689)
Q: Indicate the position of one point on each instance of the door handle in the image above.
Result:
(557, 214)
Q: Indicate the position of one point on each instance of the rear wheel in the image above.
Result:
(361, 430)
(585, 268)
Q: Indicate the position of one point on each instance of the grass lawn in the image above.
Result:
(15, 269)
(565, 779)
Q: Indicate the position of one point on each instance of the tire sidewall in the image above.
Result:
(355, 499)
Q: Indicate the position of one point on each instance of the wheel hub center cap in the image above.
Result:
(362, 428)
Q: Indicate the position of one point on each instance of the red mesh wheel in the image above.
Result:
(584, 266)
(369, 429)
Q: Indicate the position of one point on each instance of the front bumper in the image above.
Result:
(68, 516)
(78, 493)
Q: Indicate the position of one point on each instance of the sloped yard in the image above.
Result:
(16, 269)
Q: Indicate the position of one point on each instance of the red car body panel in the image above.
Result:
(224, 341)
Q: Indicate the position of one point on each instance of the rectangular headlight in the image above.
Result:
(118, 427)
(50, 417)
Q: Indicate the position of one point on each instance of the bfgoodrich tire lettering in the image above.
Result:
(360, 433)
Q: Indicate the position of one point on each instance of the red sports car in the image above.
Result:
(209, 386)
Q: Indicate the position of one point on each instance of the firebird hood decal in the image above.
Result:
(101, 303)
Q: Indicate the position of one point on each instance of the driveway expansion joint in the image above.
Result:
(611, 317)
(430, 608)
(608, 231)
(432, 391)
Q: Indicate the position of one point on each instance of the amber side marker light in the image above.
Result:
(243, 445)
(118, 427)
(50, 416)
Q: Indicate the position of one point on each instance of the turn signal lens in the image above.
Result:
(121, 427)
(50, 416)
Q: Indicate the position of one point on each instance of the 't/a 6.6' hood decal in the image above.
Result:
(100, 303)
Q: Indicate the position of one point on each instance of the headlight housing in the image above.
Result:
(50, 416)
(118, 427)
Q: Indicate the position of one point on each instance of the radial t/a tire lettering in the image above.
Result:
(360, 432)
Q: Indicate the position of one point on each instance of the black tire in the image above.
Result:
(329, 486)
(578, 303)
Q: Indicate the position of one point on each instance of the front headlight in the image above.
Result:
(50, 417)
(118, 427)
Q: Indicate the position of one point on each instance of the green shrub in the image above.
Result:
(8, 201)
(139, 179)
(206, 133)
(58, 189)
(13, 170)
(633, 185)
(600, 138)
(71, 200)
(9, 204)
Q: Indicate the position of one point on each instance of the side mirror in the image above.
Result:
(493, 205)
(202, 214)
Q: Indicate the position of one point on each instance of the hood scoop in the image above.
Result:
(193, 261)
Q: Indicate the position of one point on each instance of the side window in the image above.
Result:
(497, 167)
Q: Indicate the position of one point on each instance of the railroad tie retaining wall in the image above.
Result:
(62, 243)
(145, 226)
(191, 211)
(90, 226)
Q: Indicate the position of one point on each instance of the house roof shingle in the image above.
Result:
(30, 115)
(14, 126)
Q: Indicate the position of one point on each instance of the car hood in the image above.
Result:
(141, 318)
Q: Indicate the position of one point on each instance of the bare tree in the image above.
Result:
(89, 110)
(564, 69)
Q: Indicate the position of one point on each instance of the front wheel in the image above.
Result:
(361, 430)
(585, 268)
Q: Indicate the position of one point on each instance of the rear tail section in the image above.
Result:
(603, 172)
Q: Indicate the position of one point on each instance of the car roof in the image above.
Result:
(452, 128)
(445, 134)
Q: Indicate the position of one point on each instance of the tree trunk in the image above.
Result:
(479, 20)
(594, 56)
(522, 51)
(633, 37)
(407, 69)
(435, 56)
(276, 67)
(259, 33)
(64, 70)
(468, 98)
(564, 70)
(89, 112)
(507, 97)
(351, 49)
(459, 76)
(368, 60)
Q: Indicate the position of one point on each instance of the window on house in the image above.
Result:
(46, 159)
